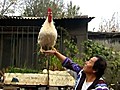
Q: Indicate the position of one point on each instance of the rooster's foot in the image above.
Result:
(42, 50)
(54, 49)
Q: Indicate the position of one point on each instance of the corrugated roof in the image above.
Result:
(104, 34)
(20, 17)
(37, 21)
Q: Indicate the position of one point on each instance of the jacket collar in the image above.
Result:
(82, 79)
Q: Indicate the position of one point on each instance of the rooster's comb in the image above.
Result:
(49, 10)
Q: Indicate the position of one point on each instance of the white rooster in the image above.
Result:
(48, 34)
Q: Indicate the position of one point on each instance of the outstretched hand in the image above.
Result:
(56, 53)
(50, 52)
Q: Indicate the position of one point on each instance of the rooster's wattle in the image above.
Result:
(48, 34)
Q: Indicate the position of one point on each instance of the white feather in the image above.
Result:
(47, 35)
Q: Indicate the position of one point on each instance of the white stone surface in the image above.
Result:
(56, 78)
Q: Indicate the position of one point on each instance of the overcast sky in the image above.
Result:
(98, 9)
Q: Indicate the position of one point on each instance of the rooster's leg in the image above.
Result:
(54, 48)
(42, 50)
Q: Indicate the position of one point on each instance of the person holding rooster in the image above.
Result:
(89, 77)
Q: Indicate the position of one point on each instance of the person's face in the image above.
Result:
(88, 67)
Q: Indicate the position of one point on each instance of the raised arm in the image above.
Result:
(66, 62)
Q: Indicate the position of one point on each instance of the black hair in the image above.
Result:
(99, 66)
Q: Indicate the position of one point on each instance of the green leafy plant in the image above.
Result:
(70, 50)
(92, 48)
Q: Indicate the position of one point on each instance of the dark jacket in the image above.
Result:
(98, 83)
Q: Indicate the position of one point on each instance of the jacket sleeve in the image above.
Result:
(69, 64)
(101, 85)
